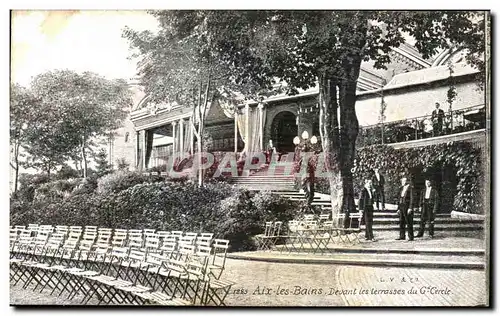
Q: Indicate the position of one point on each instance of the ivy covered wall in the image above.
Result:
(457, 167)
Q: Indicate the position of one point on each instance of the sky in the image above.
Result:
(75, 40)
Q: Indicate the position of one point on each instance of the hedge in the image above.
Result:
(219, 208)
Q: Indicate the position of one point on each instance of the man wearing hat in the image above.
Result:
(429, 203)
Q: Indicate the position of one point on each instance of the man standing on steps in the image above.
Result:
(405, 210)
(366, 208)
(429, 202)
(378, 181)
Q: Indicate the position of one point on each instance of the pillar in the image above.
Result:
(181, 135)
(261, 126)
(174, 136)
(143, 146)
(236, 129)
(247, 127)
(191, 135)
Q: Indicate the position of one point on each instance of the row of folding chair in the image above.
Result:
(157, 243)
(68, 250)
(308, 235)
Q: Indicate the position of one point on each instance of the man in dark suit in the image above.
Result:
(437, 120)
(405, 210)
(429, 203)
(365, 204)
(378, 182)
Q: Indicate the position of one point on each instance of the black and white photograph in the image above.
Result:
(250, 158)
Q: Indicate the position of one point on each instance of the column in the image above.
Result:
(261, 126)
(247, 127)
(143, 141)
(236, 129)
(191, 135)
(174, 136)
(181, 135)
(137, 150)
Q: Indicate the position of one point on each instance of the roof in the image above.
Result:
(428, 75)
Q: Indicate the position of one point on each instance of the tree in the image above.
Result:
(179, 66)
(302, 49)
(83, 106)
(22, 102)
(102, 165)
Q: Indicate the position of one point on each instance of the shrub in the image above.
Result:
(121, 180)
(219, 208)
(58, 189)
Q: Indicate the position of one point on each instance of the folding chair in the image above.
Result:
(203, 241)
(90, 230)
(59, 229)
(291, 237)
(168, 247)
(119, 238)
(76, 229)
(33, 228)
(215, 289)
(177, 234)
(152, 244)
(268, 241)
(207, 235)
(218, 261)
(104, 235)
(261, 237)
(324, 217)
(309, 217)
(149, 231)
(186, 240)
(191, 234)
(135, 241)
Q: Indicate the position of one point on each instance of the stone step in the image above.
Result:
(397, 247)
(439, 227)
(410, 260)
(439, 220)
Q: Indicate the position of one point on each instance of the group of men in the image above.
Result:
(373, 193)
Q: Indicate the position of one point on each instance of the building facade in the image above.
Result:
(394, 106)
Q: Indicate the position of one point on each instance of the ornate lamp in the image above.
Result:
(296, 140)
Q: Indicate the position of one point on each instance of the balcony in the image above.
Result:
(425, 130)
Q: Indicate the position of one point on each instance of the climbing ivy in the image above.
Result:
(462, 156)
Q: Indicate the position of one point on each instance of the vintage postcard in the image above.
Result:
(250, 158)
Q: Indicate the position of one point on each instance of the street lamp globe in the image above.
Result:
(305, 135)
(314, 140)
(296, 140)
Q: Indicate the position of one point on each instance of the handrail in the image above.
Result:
(421, 127)
(446, 113)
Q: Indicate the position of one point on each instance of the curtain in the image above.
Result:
(187, 136)
(255, 125)
(242, 127)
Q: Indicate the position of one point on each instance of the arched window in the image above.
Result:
(127, 135)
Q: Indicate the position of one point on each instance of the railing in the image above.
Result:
(422, 127)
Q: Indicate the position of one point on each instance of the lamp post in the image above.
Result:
(305, 144)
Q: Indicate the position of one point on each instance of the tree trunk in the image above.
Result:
(84, 157)
(349, 127)
(16, 169)
(330, 138)
(200, 170)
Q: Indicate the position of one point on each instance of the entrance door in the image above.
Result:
(283, 130)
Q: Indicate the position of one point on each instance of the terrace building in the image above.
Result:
(394, 106)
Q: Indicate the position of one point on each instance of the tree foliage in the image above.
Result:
(75, 110)
(303, 49)
(22, 103)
